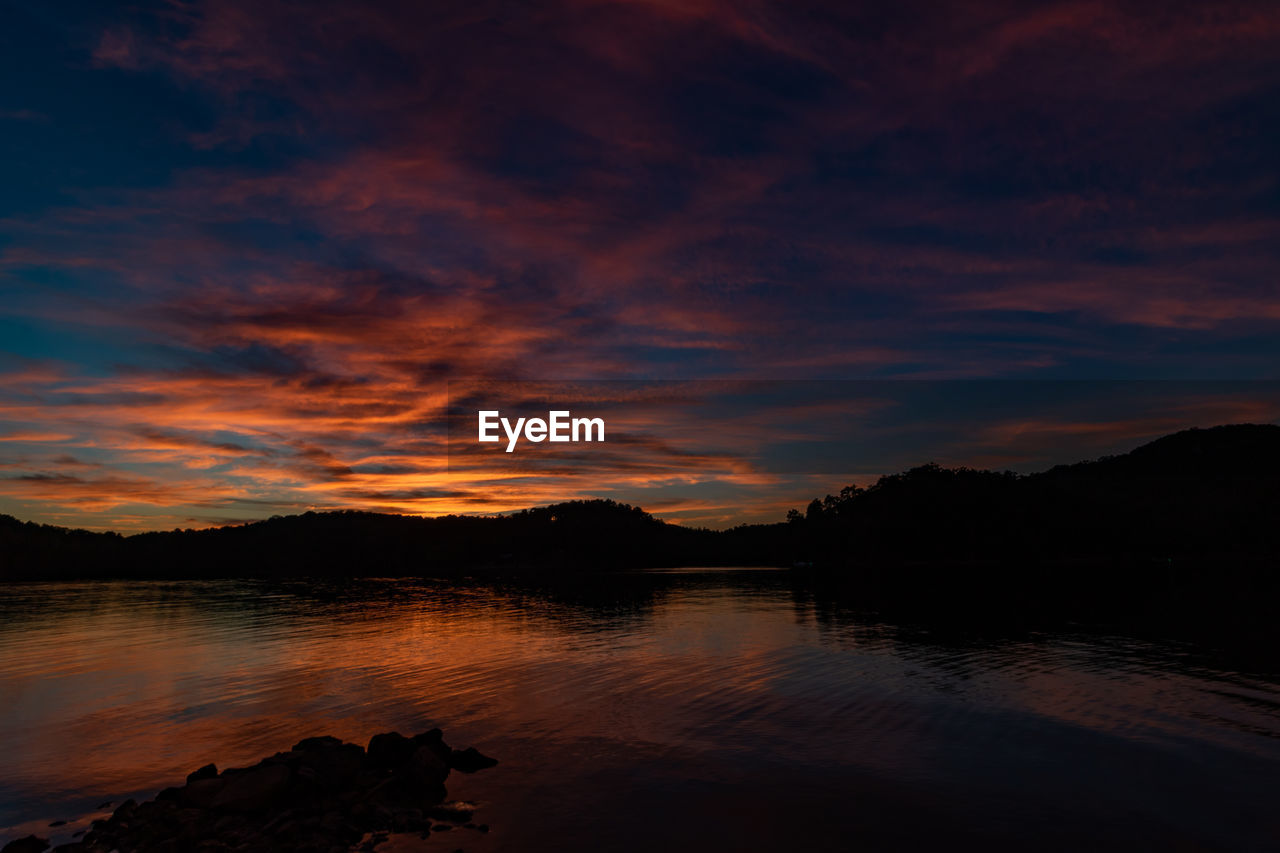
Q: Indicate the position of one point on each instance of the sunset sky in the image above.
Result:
(249, 250)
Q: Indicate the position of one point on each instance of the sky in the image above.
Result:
(250, 250)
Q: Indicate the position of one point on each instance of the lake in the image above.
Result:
(688, 709)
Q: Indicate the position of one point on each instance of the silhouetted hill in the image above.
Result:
(1221, 452)
(28, 549)
(597, 534)
(1198, 493)
(1188, 522)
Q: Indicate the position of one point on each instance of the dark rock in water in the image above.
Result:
(206, 772)
(470, 760)
(201, 793)
(329, 766)
(168, 794)
(390, 751)
(311, 744)
(435, 740)
(426, 765)
(323, 795)
(255, 788)
(402, 791)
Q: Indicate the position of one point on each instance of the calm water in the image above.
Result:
(691, 709)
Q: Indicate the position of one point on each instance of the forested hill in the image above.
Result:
(1211, 493)
(576, 534)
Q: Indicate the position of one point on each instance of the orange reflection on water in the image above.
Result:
(679, 685)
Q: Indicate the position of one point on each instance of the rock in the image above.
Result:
(201, 793)
(322, 794)
(209, 771)
(435, 740)
(331, 768)
(390, 751)
(313, 743)
(230, 825)
(255, 789)
(470, 760)
(426, 766)
(400, 792)
(30, 844)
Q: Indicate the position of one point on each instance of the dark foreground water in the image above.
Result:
(715, 710)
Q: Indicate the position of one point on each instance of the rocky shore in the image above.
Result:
(322, 795)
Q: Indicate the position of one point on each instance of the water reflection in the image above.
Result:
(709, 707)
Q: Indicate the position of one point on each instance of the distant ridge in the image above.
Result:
(1215, 451)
